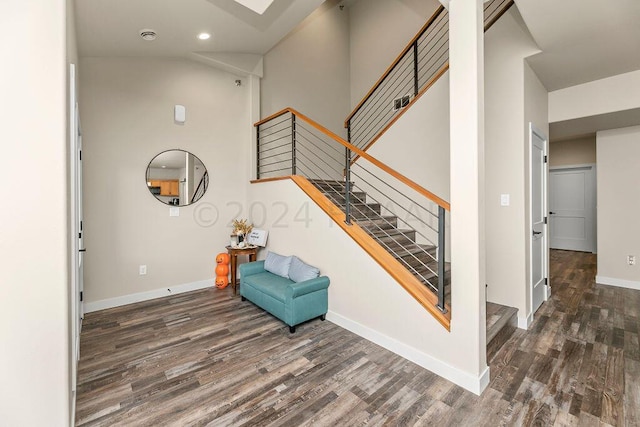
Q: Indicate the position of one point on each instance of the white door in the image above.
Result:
(77, 244)
(572, 208)
(538, 215)
(81, 248)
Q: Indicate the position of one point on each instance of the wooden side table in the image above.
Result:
(252, 251)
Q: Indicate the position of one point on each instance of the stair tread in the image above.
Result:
(501, 324)
(419, 259)
(497, 316)
(393, 232)
(381, 221)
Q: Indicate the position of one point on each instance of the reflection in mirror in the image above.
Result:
(177, 178)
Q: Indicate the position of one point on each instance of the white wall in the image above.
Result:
(618, 176)
(578, 151)
(378, 31)
(34, 295)
(417, 145)
(362, 296)
(127, 117)
(507, 161)
(617, 93)
(467, 123)
(309, 69)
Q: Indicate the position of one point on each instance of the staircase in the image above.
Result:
(419, 259)
(398, 222)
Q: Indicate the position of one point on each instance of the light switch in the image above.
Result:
(173, 211)
(504, 200)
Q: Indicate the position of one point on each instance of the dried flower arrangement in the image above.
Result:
(242, 227)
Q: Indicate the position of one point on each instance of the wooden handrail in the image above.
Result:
(273, 116)
(397, 175)
(394, 63)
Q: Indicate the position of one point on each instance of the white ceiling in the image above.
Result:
(112, 27)
(582, 40)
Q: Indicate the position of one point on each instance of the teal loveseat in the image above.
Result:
(291, 302)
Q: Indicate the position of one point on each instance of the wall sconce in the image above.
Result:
(238, 82)
(179, 114)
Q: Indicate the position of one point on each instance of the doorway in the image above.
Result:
(572, 208)
(538, 248)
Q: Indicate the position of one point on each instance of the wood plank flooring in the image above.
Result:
(207, 358)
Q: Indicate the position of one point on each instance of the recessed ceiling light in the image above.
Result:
(204, 36)
(148, 35)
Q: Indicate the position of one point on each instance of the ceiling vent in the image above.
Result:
(148, 35)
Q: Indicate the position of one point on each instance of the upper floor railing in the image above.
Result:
(420, 64)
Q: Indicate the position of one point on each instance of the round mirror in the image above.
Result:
(177, 178)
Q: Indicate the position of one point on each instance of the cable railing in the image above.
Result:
(418, 67)
(406, 220)
(202, 187)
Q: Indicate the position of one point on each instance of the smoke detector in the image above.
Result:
(148, 35)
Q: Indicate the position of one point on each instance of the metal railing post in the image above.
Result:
(347, 186)
(441, 256)
(293, 144)
(415, 68)
(257, 152)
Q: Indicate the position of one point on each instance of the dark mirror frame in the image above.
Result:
(177, 177)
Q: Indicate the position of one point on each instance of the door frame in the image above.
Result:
(533, 130)
(76, 310)
(594, 207)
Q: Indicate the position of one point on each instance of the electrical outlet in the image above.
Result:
(142, 270)
(631, 259)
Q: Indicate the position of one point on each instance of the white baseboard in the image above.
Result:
(622, 283)
(463, 379)
(145, 296)
(525, 322)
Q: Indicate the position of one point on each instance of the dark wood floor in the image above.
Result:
(206, 358)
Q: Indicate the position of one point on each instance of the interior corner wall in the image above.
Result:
(577, 151)
(506, 154)
(126, 109)
(378, 31)
(308, 70)
(618, 176)
(34, 278)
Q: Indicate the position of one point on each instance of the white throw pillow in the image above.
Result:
(299, 271)
(277, 264)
